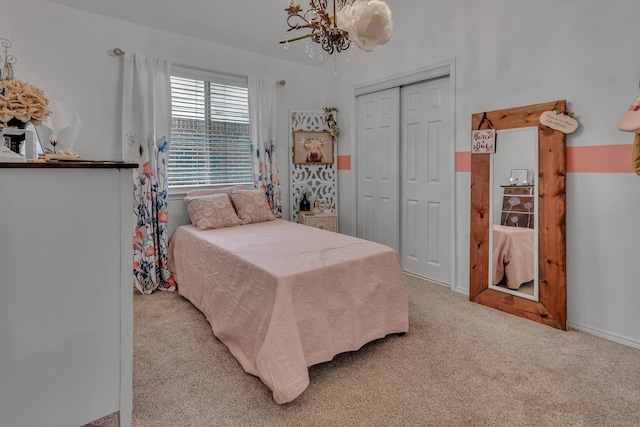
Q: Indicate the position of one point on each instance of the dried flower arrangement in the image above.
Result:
(22, 101)
(334, 130)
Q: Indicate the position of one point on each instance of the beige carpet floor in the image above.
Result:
(461, 364)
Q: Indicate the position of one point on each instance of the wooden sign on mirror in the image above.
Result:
(550, 304)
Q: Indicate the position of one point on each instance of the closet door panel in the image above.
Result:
(377, 167)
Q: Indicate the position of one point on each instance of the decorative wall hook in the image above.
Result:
(7, 61)
(485, 119)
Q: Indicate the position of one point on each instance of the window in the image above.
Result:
(210, 140)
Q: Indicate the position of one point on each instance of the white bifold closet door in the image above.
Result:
(405, 174)
(378, 167)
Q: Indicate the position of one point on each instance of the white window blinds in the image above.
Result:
(210, 140)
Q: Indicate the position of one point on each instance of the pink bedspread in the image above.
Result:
(284, 296)
(513, 252)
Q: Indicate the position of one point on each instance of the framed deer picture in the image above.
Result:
(312, 148)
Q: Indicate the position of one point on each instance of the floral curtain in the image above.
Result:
(146, 127)
(262, 111)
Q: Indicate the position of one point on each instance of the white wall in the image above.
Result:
(509, 54)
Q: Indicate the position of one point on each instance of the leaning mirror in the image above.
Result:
(518, 255)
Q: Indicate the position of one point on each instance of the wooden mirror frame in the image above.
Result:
(551, 307)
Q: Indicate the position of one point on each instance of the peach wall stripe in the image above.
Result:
(463, 161)
(586, 159)
(600, 159)
(344, 163)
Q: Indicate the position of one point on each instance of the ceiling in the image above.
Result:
(253, 25)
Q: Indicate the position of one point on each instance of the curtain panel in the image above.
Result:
(146, 129)
(263, 116)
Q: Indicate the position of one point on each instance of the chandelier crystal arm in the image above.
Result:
(323, 25)
(306, 36)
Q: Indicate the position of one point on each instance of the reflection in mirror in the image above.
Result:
(513, 213)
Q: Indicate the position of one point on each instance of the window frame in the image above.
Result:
(188, 72)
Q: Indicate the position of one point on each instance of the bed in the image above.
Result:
(513, 255)
(284, 296)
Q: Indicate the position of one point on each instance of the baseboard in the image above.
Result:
(606, 335)
(426, 279)
(586, 329)
(461, 291)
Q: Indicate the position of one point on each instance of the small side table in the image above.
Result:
(322, 220)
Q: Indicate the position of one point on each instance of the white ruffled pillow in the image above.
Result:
(252, 206)
(212, 211)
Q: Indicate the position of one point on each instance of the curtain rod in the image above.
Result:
(119, 52)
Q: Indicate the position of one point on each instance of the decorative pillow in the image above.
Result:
(212, 211)
(252, 206)
(210, 191)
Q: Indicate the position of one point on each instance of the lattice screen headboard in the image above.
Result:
(319, 180)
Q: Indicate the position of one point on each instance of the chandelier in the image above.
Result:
(365, 23)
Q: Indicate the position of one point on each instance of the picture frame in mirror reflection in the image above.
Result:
(519, 177)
